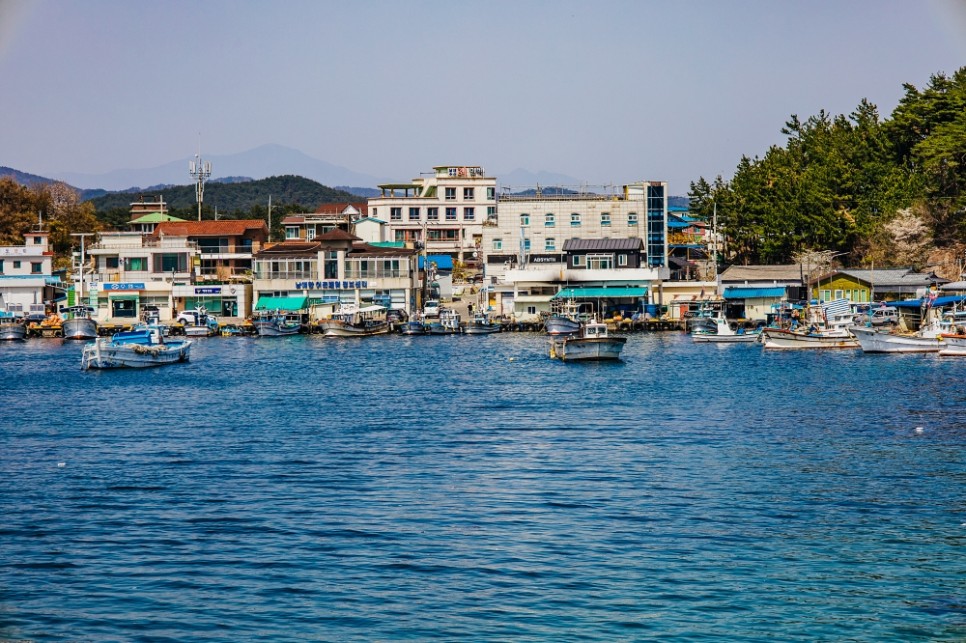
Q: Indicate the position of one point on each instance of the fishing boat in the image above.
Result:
(352, 321)
(482, 325)
(276, 323)
(953, 345)
(79, 323)
(198, 323)
(725, 334)
(139, 348)
(565, 318)
(447, 324)
(413, 327)
(927, 339)
(592, 343)
(825, 326)
(12, 328)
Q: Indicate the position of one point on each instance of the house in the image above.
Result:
(443, 213)
(27, 283)
(334, 267)
(862, 286)
(148, 213)
(752, 291)
(225, 247)
(327, 217)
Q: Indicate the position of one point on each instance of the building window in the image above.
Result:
(497, 244)
(291, 233)
(469, 214)
(490, 194)
(432, 214)
(171, 262)
(111, 262)
(36, 267)
(490, 211)
(16, 265)
(526, 245)
(826, 295)
(310, 233)
(600, 262)
(550, 245)
(575, 220)
(135, 263)
(469, 194)
(578, 261)
(549, 220)
(451, 214)
(605, 219)
(525, 219)
(450, 194)
(414, 214)
(622, 260)
(38, 240)
(395, 214)
(631, 218)
(531, 310)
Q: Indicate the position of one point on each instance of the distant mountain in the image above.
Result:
(23, 178)
(258, 163)
(234, 198)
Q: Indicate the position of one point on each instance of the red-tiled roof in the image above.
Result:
(339, 208)
(225, 227)
(338, 234)
(283, 248)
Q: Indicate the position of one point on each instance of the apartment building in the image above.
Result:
(26, 276)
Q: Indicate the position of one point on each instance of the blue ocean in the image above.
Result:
(471, 489)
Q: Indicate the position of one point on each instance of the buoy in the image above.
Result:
(919, 429)
(61, 464)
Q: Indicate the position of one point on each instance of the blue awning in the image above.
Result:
(938, 301)
(600, 293)
(443, 262)
(735, 292)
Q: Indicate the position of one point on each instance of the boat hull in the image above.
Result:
(953, 345)
(12, 332)
(734, 338)
(473, 329)
(875, 341)
(557, 325)
(276, 330)
(105, 354)
(79, 328)
(571, 349)
(413, 328)
(779, 338)
(349, 330)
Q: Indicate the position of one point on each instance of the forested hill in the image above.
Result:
(232, 200)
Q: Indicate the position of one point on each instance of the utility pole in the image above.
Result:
(82, 235)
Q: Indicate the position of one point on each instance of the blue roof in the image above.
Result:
(443, 262)
(938, 301)
(734, 292)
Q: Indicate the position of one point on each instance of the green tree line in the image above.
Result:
(878, 191)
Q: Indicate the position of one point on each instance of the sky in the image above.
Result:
(605, 91)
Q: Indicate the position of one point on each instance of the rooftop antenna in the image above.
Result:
(200, 171)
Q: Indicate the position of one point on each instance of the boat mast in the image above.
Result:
(81, 286)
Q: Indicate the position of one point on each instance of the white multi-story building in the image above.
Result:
(446, 211)
(543, 243)
(26, 276)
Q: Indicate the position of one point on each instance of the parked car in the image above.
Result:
(879, 316)
(431, 308)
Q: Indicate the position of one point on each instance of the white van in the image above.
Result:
(431, 308)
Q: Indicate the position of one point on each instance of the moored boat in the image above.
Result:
(874, 340)
(276, 323)
(140, 348)
(953, 345)
(723, 333)
(825, 326)
(79, 323)
(351, 321)
(413, 327)
(447, 324)
(592, 343)
(482, 325)
(12, 328)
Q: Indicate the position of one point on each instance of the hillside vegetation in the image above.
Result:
(883, 192)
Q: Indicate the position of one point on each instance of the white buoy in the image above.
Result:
(919, 429)
(61, 464)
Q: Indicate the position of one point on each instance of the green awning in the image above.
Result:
(600, 293)
(281, 303)
(124, 296)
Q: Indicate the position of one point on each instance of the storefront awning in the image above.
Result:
(280, 303)
(753, 293)
(600, 293)
(129, 296)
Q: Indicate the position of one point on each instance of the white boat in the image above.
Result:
(140, 348)
(352, 321)
(448, 323)
(12, 328)
(79, 323)
(953, 345)
(723, 333)
(277, 323)
(482, 325)
(198, 323)
(825, 326)
(592, 343)
(928, 339)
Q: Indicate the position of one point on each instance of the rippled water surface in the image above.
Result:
(469, 488)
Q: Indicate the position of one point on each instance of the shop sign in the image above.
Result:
(211, 290)
(330, 284)
(120, 285)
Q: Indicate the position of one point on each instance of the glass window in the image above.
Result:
(550, 245)
(36, 267)
(621, 260)
(135, 263)
(1, 266)
(549, 219)
(600, 262)
(524, 219)
(432, 214)
(631, 218)
(469, 194)
(111, 262)
(291, 233)
(526, 245)
(16, 265)
(490, 194)
(578, 261)
(171, 262)
(469, 214)
(450, 194)
(498, 244)
(575, 220)
(414, 214)
(310, 233)
(605, 219)
(395, 214)
(451, 214)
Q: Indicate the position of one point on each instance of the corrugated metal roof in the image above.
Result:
(627, 243)
(791, 272)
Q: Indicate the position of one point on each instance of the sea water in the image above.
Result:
(470, 488)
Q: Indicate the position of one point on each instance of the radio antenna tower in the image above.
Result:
(200, 171)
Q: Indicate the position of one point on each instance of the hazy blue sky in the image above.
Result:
(604, 91)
